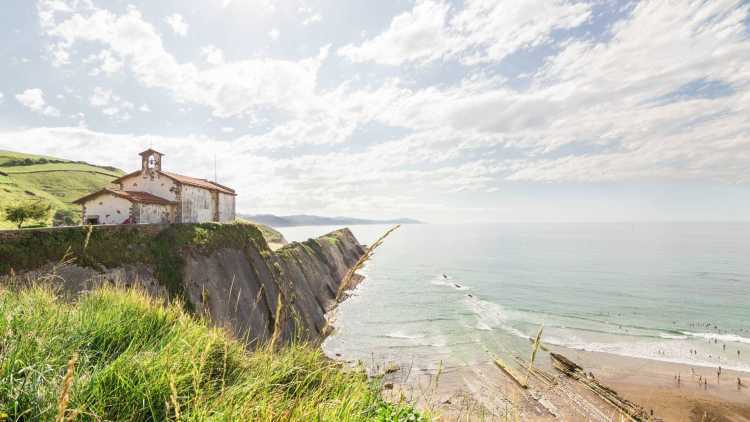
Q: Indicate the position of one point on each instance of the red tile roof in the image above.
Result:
(132, 196)
(125, 176)
(144, 198)
(201, 183)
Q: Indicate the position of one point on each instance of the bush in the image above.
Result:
(64, 218)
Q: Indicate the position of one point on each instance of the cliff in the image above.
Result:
(226, 272)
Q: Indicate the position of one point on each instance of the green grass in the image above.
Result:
(7, 156)
(58, 182)
(96, 247)
(141, 360)
(270, 234)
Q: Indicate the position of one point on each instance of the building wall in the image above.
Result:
(109, 208)
(154, 214)
(196, 205)
(226, 208)
(155, 184)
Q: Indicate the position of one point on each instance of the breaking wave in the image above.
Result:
(725, 338)
(490, 316)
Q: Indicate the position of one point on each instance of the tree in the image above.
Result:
(27, 211)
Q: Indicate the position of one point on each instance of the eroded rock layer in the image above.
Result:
(223, 271)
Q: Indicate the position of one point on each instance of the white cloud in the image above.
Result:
(33, 99)
(1, 97)
(229, 89)
(417, 35)
(81, 117)
(315, 18)
(144, 108)
(227, 129)
(309, 15)
(100, 97)
(177, 23)
(110, 104)
(274, 34)
(107, 63)
(482, 31)
(587, 115)
(262, 6)
(213, 55)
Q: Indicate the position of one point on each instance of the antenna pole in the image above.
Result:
(216, 179)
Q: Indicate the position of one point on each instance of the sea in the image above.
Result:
(439, 295)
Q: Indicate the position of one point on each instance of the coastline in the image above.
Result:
(483, 392)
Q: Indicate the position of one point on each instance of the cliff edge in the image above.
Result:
(225, 272)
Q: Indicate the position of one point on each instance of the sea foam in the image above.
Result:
(724, 338)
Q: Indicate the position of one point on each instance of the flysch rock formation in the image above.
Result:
(229, 275)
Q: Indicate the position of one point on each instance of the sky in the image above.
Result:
(445, 111)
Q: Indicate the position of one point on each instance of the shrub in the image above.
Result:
(64, 218)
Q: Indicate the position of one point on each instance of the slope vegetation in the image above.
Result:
(122, 355)
(59, 182)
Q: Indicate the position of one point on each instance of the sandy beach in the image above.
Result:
(484, 392)
(652, 384)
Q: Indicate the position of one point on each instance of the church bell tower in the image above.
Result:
(151, 161)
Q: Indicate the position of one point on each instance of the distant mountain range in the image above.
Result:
(314, 220)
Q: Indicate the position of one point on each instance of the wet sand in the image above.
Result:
(484, 392)
(651, 384)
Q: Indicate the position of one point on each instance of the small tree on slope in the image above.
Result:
(28, 211)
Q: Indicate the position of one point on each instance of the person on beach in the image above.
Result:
(739, 384)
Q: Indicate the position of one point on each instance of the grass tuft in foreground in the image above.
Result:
(121, 355)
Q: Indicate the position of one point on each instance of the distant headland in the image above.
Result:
(314, 220)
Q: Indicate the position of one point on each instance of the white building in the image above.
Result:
(150, 196)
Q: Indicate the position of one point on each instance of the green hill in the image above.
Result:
(25, 177)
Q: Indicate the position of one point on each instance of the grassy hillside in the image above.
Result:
(120, 355)
(25, 177)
